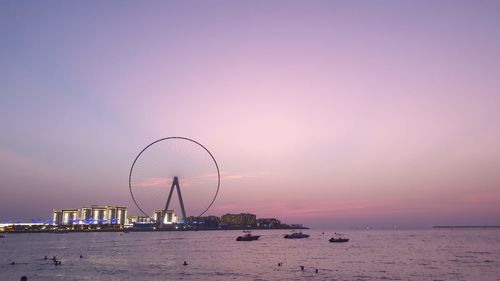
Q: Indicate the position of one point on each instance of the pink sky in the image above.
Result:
(326, 113)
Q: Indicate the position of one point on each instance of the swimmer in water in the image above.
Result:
(185, 263)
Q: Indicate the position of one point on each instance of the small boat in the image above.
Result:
(296, 235)
(339, 238)
(247, 237)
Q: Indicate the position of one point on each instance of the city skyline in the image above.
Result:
(325, 113)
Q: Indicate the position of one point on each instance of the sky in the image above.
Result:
(333, 114)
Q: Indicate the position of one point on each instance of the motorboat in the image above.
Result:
(247, 237)
(296, 235)
(339, 238)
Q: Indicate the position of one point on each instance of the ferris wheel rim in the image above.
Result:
(168, 138)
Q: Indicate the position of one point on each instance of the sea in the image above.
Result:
(429, 254)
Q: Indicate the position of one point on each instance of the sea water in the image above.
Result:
(432, 254)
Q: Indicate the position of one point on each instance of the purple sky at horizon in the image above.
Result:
(326, 113)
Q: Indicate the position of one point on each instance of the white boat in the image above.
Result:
(339, 238)
(296, 235)
(247, 237)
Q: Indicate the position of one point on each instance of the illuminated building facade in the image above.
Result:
(57, 217)
(68, 216)
(138, 219)
(91, 215)
(104, 214)
(169, 217)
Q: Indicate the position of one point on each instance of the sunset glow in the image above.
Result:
(325, 113)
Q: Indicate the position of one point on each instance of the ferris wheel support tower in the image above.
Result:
(175, 184)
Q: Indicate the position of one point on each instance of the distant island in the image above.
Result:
(95, 218)
(466, 226)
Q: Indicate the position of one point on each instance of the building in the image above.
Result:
(57, 217)
(121, 215)
(169, 218)
(268, 222)
(98, 214)
(139, 219)
(242, 219)
(205, 222)
(69, 216)
(86, 214)
(104, 214)
(93, 214)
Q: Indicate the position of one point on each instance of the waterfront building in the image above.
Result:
(98, 214)
(169, 217)
(57, 217)
(121, 215)
(242, 219)
(268, 222)
(139, 219)
(86, 214)
(205, 222)
(93, 214)
(69, 216)
(104, 214)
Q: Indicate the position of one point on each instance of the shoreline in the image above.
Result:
(127, 230)
(466, 226)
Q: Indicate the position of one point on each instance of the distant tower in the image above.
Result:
(175, 183)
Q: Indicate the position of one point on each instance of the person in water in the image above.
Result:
(24, 278)
(185, 263)
(81, 256)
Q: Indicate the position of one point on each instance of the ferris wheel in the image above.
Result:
(174, 164)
